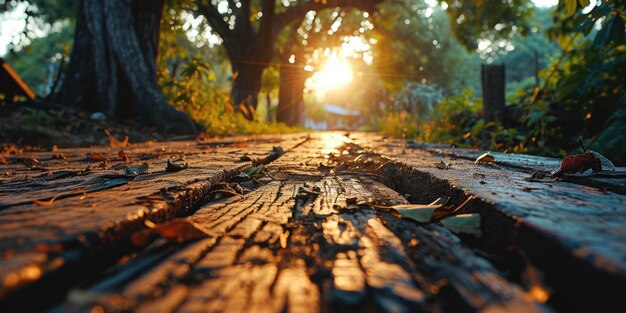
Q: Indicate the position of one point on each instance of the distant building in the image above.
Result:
(342, 118)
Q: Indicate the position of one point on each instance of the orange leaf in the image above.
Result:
(114, 143)
(97, 157)
(123, 156)
(178, 230)
(45, 203)
(30, 162)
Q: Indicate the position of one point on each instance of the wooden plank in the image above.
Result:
(612, 181)
(45, 241)
(573, 233)
(298, 244)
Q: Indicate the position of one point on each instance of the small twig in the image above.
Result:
(266, 172)
(470, 198)
(375, 206)
(582, 145)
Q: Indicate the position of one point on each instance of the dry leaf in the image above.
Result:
(442, 164)
(178, 231)
(606, 164)
(136, 170)
(30, 162)
(45, 203)
(114, 143)
(175, 166)
(485, 158)
(122, 155)
(463, 224)
(3, 161)
(422, 213)
(96, 157)
(275, 154)
(59, 156)
(447, 211)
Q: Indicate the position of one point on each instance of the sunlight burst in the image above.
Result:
(334, 74)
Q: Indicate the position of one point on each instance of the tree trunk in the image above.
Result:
(291, 95)
(113, 64)
(246, 87)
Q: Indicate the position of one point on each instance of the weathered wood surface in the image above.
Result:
(312, 235)
(284, 247)
(95, 210)
(573, 232)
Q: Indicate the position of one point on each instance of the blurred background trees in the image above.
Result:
(406, 68)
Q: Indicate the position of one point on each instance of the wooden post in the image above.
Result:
(536, 68)
(493, 81)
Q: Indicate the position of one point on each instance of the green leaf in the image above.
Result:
(463, 224)
(584, 3)
(616, 32)
(586, 26)
(422, 213)
(570, 7)
(602, 37)
(567, 86)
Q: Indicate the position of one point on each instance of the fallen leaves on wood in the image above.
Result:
(277, 151)
(580, 163)
(422, 213)
(114, 142)
(463, 224)
(444, 211)
(10, 149)
(176, 166)
(136, 170)
(96, 157)
(442, 164)
(30, 162)
(485, 158)
(59, 156)
(425, 213)
(252, 172)
(122, 156)
(177, 231)
(46, 203)
(245, 158)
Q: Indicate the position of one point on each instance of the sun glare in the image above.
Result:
(335, 73)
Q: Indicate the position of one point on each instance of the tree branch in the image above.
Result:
(216, 20)
(283, 19)
(266, 30)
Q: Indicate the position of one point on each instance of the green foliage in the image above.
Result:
(196, 77)
(399, 125)
(34, 62)
(582, 93)
(488, 19)
(416, 43)
(454, 121)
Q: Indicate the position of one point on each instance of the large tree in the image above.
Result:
(295, 53)
(249, 30)
(113, 64)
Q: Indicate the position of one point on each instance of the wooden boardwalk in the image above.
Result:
(251, 227)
